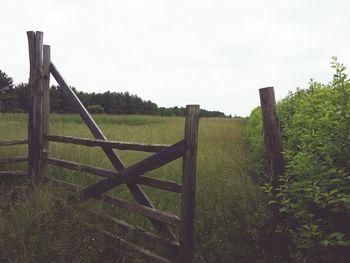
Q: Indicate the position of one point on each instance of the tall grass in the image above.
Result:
(229, 205)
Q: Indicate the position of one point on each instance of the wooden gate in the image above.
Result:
(179, 242)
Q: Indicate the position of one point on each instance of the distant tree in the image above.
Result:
(6, 82)
(15, 99)
(6, 95)
(22, 96)
(95, 109)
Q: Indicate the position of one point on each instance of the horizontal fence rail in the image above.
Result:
(148, 256)
(82, 167)
(9, 160)
(12, 173)
(132, 146)
(13, 142)
(133, 231)
(164, 217)
(143, 180)
(160, 184)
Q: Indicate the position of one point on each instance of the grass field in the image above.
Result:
(230, 207)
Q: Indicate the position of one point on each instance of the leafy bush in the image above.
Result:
(95, 109)
(314, 192)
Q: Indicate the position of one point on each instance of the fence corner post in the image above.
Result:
(188, 185)
(272, 135)
(35, 42)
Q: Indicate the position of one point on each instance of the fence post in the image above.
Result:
(188, 185)
(45, 110)
(272, 135)
(35, 42)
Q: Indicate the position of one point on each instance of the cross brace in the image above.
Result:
(135, 189)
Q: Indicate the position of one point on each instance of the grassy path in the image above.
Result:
(229, 205)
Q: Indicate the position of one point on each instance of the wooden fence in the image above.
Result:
(180, 244)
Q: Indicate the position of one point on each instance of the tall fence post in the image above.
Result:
(188, 185)
(272, 135)
(35, 42)
(45, 110)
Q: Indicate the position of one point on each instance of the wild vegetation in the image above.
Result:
(230, 207)
(314, 192)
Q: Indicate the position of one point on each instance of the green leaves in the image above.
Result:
(314, 195)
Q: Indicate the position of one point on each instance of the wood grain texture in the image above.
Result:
(82, 168)
(13, 142)
(111, 144)
(9, 160)
(272, 135)
(12, 173)
(189, 185)
(166, 218)
(45, 110)
(35, 41)
(160, 184)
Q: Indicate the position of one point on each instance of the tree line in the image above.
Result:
(15, 98)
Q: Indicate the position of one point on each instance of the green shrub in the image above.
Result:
(95, 109)
(314, 195)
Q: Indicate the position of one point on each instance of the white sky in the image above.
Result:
(213, 53)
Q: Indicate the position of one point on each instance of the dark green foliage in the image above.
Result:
(14, 98)
(314, 195)
(95, 109)
(6, 82)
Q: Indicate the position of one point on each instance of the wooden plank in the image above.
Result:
(156, 183)
(189, 185)
(32, 76)
(45, 109)
(150, 163)
(166, 218)
(147, 255)
(85, 115)
(12, 173)
(35, 41)
(136, 233)
(9, 160)
(63, 184)
(160, 184)
(131, 207)
(111, 144)
(136, 190)
(13, 142)
(82, 167)
(272, 135)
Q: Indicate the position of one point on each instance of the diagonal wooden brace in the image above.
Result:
(150, 163)
(135, 189)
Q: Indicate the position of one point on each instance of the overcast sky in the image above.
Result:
(213, 53)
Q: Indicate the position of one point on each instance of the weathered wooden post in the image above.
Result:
(272, 135)
(39, 85)
(45, 111)
(189, 185)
